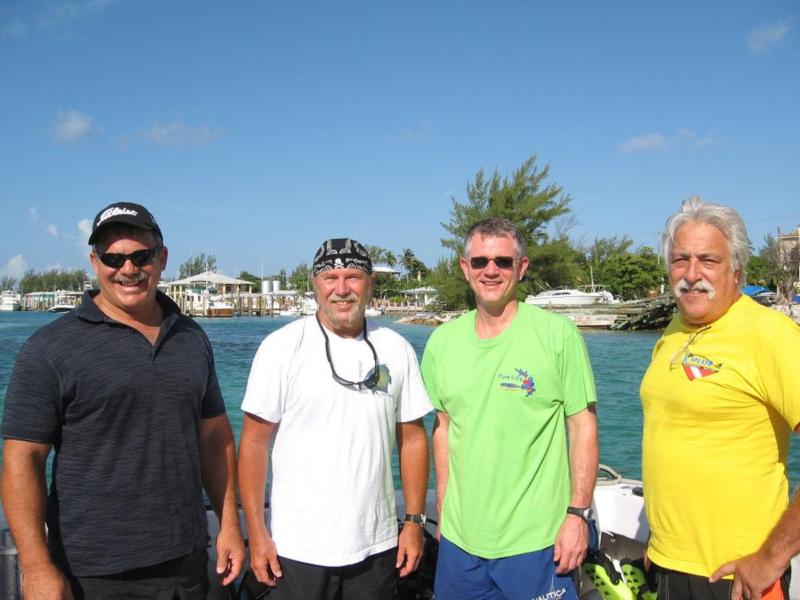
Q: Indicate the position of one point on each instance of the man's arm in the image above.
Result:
(441, 456)
(573, 536)
(24, 502)
(754, 573)
(412, 446)
(253, 465)
(218, 451)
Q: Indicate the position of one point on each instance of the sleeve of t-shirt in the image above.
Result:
(33, 399)
(429, 372)
(576, 373)
(213, 402)
(779, 371)
(413, 402)
(266, 385)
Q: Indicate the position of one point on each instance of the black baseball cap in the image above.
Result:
(128, 213)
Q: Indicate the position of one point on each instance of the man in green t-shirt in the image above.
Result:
(511, 384)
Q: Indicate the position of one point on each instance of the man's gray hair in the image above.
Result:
(495, 227)
(724, 218)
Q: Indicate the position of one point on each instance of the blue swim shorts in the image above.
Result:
(531, 576)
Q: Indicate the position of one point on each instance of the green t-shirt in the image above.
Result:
(507, 398)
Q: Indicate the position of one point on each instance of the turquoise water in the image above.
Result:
(619, 360)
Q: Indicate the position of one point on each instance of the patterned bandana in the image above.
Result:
(341, 253)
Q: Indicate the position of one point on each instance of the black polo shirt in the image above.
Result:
(123, 416)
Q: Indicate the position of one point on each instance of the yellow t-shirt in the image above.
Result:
(720, 403)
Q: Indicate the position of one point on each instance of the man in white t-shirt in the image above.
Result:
(334, 393)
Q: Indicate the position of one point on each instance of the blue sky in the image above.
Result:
(255, 130)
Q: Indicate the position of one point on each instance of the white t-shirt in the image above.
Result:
(332, 500)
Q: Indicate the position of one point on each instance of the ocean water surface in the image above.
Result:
(619, 360)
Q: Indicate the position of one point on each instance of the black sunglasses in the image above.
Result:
(139, 258)
(371, 381)
(501, 262)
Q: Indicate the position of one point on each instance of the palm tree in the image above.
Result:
(408, 260)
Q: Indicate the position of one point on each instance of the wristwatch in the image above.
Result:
(419, 519)
(584, 513)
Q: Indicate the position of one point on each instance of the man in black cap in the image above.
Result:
(124, 389)
(334, 392)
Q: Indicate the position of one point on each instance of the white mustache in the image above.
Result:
(349, 298)
(700, 286)
(118, 278)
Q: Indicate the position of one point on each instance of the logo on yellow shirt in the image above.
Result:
(696, 366)
(521, 380)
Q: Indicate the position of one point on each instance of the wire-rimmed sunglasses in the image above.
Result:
(140, 258)
(501, 262)
(372, 379)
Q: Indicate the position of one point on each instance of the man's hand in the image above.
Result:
(45, 582)
(752, 574)
(230, 554)
(571, 544)
(264, 559)
(410, 544)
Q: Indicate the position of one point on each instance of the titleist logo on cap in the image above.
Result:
(113, 212)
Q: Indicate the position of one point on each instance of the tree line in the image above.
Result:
(541, 211)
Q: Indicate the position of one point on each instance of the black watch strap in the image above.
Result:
(583, 513)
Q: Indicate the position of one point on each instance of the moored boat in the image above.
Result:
(582, 296)
(10, 302)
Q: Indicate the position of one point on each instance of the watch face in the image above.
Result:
(418, 519)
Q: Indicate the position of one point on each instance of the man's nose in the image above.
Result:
(693, 271)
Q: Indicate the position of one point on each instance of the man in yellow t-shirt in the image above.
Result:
(720, 400)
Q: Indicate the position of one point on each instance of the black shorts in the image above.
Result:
(374, 578)
(185, 578)
(676, 585)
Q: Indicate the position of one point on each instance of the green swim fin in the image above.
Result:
(605, 577)
(636, 579)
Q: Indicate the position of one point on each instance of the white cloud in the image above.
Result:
(762, 39)
(84, 231)
(644, 143)
(16, 266)
(61, 14)
(655, 142)
(180, 135)
(72, 125)
(49, 228)
(56, 266)
(14, 30)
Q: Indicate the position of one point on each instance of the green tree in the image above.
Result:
(600, 252)
(376, 253)
(776, 266)
(197, 264)
(254, 279)
(390, 258)
(448, 279)
(524, 199)
(407, 259)
(633, 275)
(54, 279)
(300, 278)
(7, 282)
(533, 205)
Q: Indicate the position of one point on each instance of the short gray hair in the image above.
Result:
(724, 218)
(495, 227)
